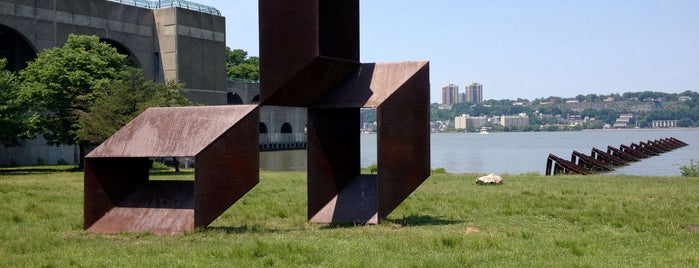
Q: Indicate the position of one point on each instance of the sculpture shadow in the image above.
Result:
(423, 220)
(412, 220)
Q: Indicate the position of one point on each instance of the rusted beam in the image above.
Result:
(607, 158)
(649, 147)
(621, 154)
(678, 142)
(660, 146)
(632, 151)
(643, 150)
(589, 162)
(565, 166)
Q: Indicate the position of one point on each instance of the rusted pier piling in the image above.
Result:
(601, 161)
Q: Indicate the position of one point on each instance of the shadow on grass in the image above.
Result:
(412, 220)
(238, 230)
(37, 170)
(423, 220)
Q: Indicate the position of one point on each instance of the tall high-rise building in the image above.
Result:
(450, 94)
(474, 92)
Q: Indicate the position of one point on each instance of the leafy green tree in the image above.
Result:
(240, 66)
(63, 81)
(15, 120)
(122, 101)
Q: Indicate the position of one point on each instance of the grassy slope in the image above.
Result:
(529, 221)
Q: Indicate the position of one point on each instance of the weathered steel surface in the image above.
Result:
(621, 154)
(163, 207)
(607, 158)
(632, 151)
(309, 56)
(394, 89)
(588, 162)
(224, 142)
(556, 165)
(305, 47)
(333, 155)
(171, 131)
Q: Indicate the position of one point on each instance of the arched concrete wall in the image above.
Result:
(47, 24)
(168, 43)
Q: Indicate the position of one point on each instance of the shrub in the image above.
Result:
(691, 170)
(373, 168)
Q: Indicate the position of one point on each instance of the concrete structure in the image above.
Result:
(514, 120)
(474, 93)
(450, 94)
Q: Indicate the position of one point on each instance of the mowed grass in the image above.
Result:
(529, 221)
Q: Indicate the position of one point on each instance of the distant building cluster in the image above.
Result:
(466, 121)
(473, 92)
(514, 120)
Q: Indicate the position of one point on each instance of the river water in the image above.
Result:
(521, 152)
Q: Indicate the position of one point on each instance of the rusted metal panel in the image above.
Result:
(372, 84)
(226, 170)
(403, 135)
(333, 156)
(162, 207)
(171, 131)
(107, 182)
(305, 47)
(400, 92)
(120, 198)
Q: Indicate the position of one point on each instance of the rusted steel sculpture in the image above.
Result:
(119, 197)
(600, 161)
(309, 57)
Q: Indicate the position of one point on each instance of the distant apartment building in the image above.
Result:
(474, 93)
(450, 94)
(514, 120)
(464, 121)
(663, 123)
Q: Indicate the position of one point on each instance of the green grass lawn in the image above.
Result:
(529, 221)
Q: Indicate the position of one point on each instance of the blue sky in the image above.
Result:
(522, 49)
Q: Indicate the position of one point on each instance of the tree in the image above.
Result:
(240, 66)
(14, 117)
(62, 81)
(122, 101)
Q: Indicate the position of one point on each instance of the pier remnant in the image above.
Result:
(600, 161)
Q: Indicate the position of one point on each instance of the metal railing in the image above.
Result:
(282, 141)
(170, 3)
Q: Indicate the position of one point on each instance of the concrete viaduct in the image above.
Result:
(183, 41)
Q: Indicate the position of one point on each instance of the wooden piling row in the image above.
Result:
(601, 161)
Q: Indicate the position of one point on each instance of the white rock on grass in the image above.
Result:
(489, 179)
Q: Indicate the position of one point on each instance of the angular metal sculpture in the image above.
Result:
(309, 57)
(119, 197)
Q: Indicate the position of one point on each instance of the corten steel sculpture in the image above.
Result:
(119, 197)
(309, 57)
